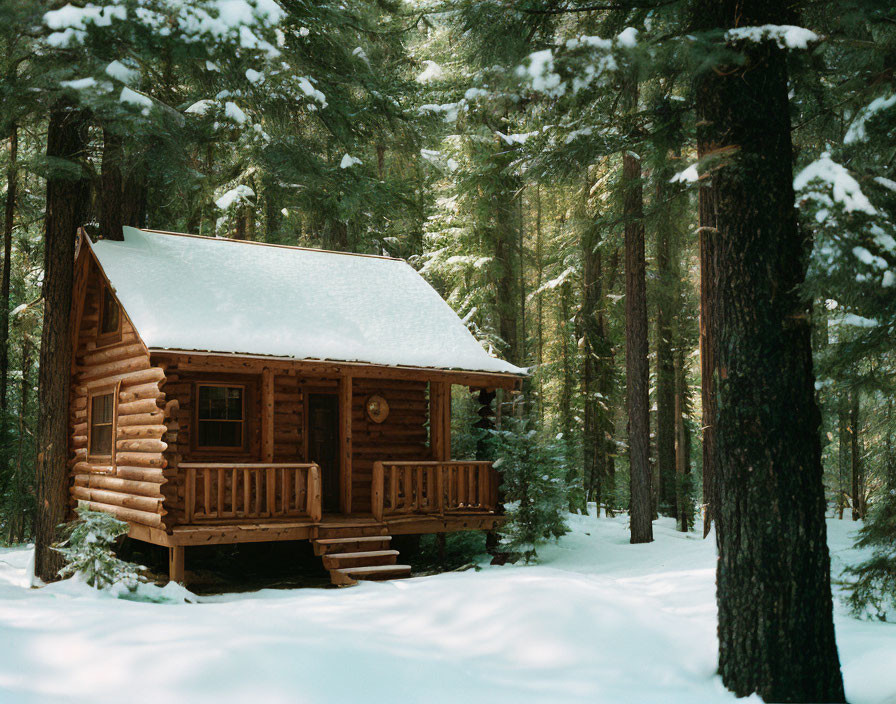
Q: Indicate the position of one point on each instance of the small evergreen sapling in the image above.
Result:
(535, 490)
(87, 549)
(874, 588)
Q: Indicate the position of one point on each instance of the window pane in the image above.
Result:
(110, 313)
(101, 424)
(101, 409)
(101, 441)
(220, 403)
(217, 433)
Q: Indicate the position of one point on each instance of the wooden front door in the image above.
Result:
(323, 445)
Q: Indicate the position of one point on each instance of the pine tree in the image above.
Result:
(776, 634)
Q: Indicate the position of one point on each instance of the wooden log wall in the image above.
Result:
(289, 423)
(402, 436)
(180, 417)
(130, 486)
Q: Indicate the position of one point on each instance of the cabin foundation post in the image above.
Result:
(176, 563)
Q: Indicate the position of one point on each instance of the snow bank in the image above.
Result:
(226, 296)
(599, 620)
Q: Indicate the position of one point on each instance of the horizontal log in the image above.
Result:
(154, 432)
(156, 417)
(79, 441)
(80, 402)
(142, 459)
(133, 393)
(82, 467)
(116, 498)
(140, 474)
(141, 445)
(141, 376)
(125, 486)
(153, 520)
(121, 366)
(111, 354)
(145, 405)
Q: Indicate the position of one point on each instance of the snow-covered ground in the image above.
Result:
(598, 619)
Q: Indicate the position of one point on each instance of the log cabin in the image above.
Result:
(227, 391)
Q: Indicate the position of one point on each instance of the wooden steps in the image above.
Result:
(351, 553)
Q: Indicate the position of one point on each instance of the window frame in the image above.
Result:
(108, 338)
(244, 447)
(112, 390)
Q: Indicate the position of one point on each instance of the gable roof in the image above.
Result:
(191, 293)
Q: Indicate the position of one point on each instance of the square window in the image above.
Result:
(220, 417)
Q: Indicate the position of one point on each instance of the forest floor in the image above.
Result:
(598, 620)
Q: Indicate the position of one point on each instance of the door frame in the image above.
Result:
(307, 392)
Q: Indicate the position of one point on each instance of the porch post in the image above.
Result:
(345, 442)
(267, 436)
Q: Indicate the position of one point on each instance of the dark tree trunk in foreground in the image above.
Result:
(776, 631)
(112, 214)
(8, 221)
(65, 202)
(636, 368)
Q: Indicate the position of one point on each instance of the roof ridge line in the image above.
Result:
(271, 244)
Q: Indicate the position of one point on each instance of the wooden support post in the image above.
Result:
(267, 435)
(377, 491)
(314, 493)
(176, 563)
(345, 442)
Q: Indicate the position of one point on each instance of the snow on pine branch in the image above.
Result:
(844, 188)
(240, 194)
(553, 283)
(856, 131)
(542, 74)
(786, 36)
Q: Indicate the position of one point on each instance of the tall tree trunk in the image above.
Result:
(776, 631)
(843, 466)
(856, 469)
(112, 214)
(637, 371)
(682, 444)
(66, 196)
(8, 223)
(665, 372)
(539, 305)
(17, 519)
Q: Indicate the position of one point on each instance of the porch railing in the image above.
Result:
(216, 491)
(433, 487)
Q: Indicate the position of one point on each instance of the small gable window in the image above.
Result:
(221, 417)
(110, 317)
(102, 425)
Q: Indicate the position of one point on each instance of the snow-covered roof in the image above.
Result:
(184, 292)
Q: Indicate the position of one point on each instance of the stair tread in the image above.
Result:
(366, 553)
(373, 569)
(359, 539)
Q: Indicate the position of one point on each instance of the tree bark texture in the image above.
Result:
(8, 224)
(66, 198)
(636, 346)
(855, 452)
(776, 632)
(111, 198)
(665, 372)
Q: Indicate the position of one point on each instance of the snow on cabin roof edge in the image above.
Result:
(351, 308)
